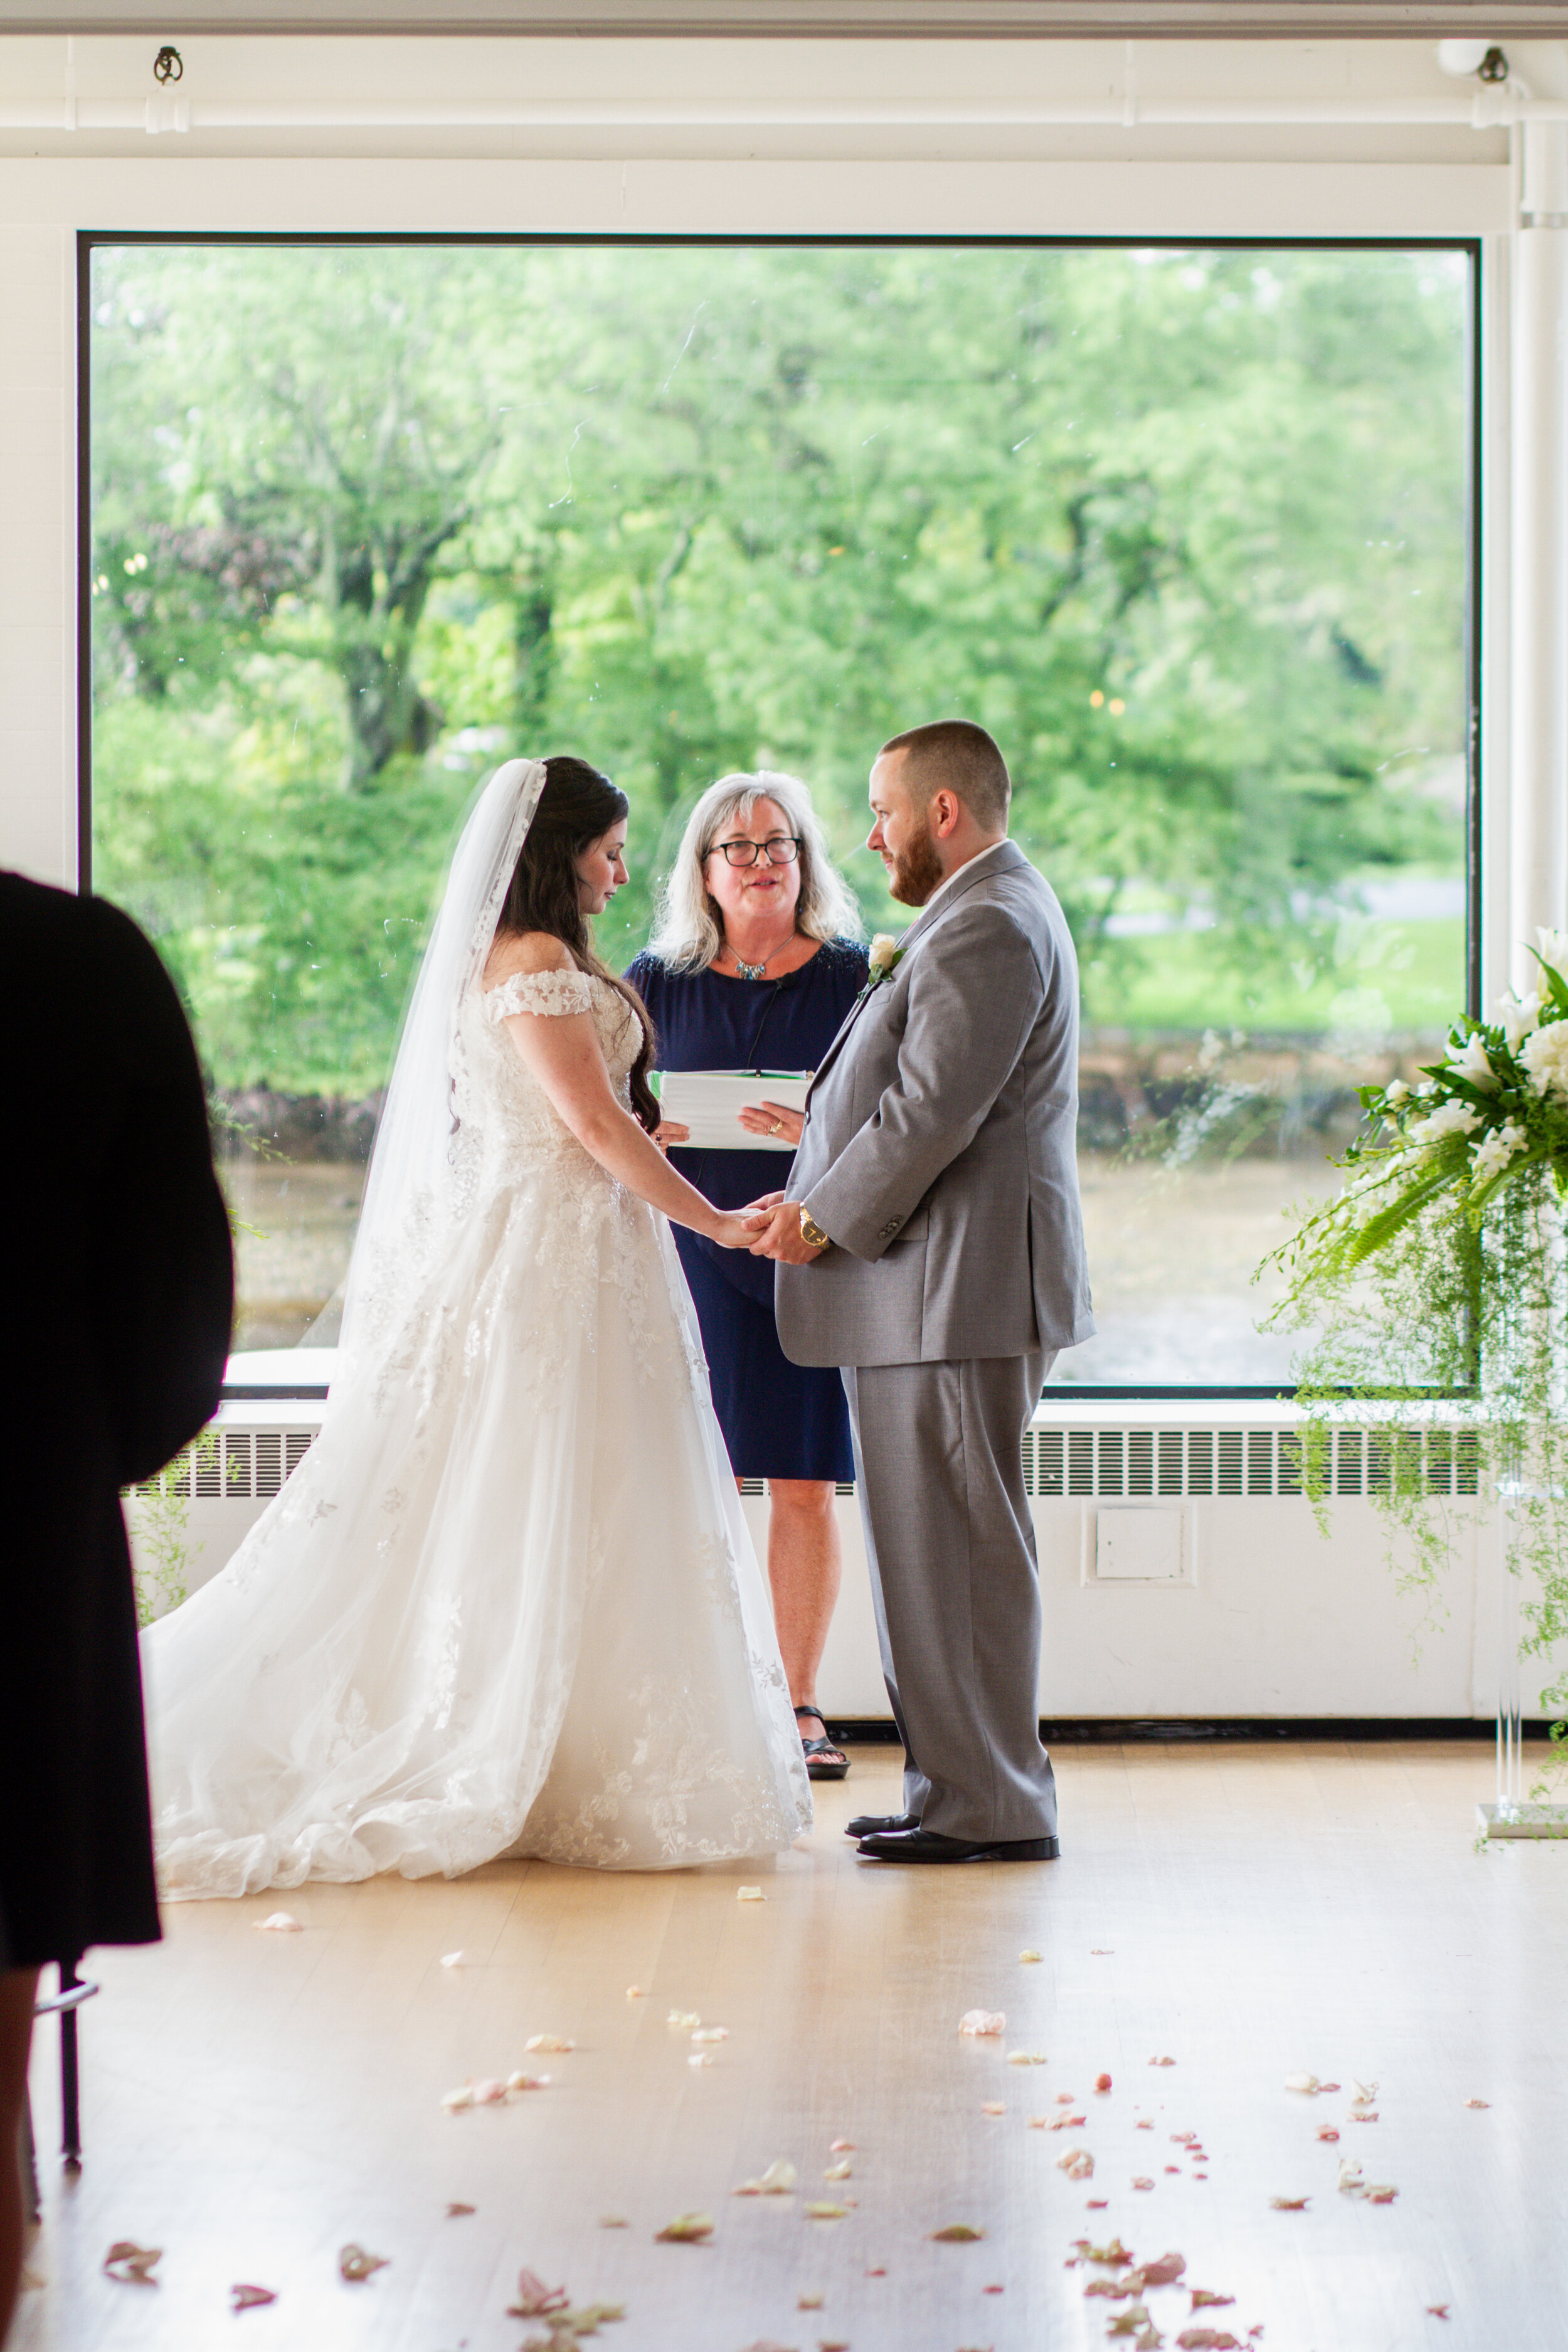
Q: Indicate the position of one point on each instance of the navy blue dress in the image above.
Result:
(780, 1420)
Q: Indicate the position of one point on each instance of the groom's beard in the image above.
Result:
(917, 870)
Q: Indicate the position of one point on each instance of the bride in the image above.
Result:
(507, 1605)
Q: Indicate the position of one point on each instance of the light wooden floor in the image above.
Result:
(252, 2101)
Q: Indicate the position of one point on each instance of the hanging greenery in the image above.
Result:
(1435, 1289)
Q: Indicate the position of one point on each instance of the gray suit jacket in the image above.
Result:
(940, 1143)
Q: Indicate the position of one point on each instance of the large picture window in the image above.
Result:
(1187, 528)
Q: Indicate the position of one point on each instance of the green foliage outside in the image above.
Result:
(1185, 528)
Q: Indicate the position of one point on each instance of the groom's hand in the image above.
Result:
(782, 1240)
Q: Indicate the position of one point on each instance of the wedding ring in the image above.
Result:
(777, 1128)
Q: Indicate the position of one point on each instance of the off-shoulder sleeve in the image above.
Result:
(539, 991)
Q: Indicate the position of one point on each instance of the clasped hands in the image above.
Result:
(776, 1222)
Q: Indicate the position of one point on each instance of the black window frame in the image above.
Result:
(1472, 247)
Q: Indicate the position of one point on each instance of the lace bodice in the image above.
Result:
(496, 1096)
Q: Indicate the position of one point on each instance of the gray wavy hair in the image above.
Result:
(687, 933)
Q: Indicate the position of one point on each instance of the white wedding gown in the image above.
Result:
(507, 1605)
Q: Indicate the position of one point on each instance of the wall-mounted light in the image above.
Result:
(1482, 58)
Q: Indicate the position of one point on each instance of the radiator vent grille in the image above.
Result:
(1208, 1462)
(233, 1465)
(252, 1465)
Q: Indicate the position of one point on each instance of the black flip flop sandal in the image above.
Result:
(823, 1760)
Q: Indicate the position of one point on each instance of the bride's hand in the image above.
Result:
(775, 1120)
(668, 1132)
(737, 1228)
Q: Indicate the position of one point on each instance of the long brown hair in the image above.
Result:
(576, 808)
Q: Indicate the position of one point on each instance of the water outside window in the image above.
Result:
(1185, 528)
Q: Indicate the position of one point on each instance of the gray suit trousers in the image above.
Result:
(955, 1583)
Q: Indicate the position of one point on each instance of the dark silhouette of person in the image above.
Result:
(116, 1294)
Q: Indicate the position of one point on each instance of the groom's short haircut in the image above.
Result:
(956, 755)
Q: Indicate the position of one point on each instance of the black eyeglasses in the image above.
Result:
(783, 849)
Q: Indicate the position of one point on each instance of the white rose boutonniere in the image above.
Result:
(887, 953)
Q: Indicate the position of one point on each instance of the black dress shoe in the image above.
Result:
(876, 1824)
(930, 1846)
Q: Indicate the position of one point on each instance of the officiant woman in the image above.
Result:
(755, 962)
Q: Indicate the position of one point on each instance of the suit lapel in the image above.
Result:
(1002, 860)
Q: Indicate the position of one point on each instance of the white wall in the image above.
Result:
(904, 137)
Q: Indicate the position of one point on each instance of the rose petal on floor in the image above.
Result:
(1308, 2085)
(132, 2263)
(1027, 2058)
(686, 2017)
(613, 2221)
(711, 2034)
(453, 1959)
(1027, 1957)
(455, 2210)
(993, 2107)
(810, 2299)
(1077, 2163)
(701, 2058)
(1143, 2181)
(1437, 2310)
(842, 2171)
(534, 2298)
(489, 2093)
(778, 2180)
(840, 2146)
(1289, 2204)
(1328, 2131)
(634, 1992)
(1204, 2297)
(1102, 2083)
(980, 2021)
(750, 1894)
(686, 2230)
(1066, 2121)
(1364, 2093)
(1164, 2270)
(251, 2298)
(279, 1923)
(822, 2208)
(957, 2233)
(518, 2081)
(462, 2097)
(1112, 2256)
(548, 2042)
(1478, 2103)
(355, 2264)
(1162, 2062)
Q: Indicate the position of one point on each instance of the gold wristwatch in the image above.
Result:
(811, 1233)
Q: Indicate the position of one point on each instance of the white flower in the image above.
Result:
(1554, 946)
(1495, 1150)
(884, 951)
(1395, 1093)
(1449, 1119)
(1472, 1062)
(1545, 1056)
(1519, 1016)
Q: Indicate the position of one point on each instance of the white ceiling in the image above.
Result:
(970, 19)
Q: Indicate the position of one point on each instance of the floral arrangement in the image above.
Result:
(1434, 1292)
(1495, 1107)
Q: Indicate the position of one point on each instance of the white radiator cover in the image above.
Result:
(1267, 1618)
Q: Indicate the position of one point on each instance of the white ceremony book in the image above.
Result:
(710, 1102)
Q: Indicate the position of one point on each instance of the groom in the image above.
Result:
(930, 1243)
